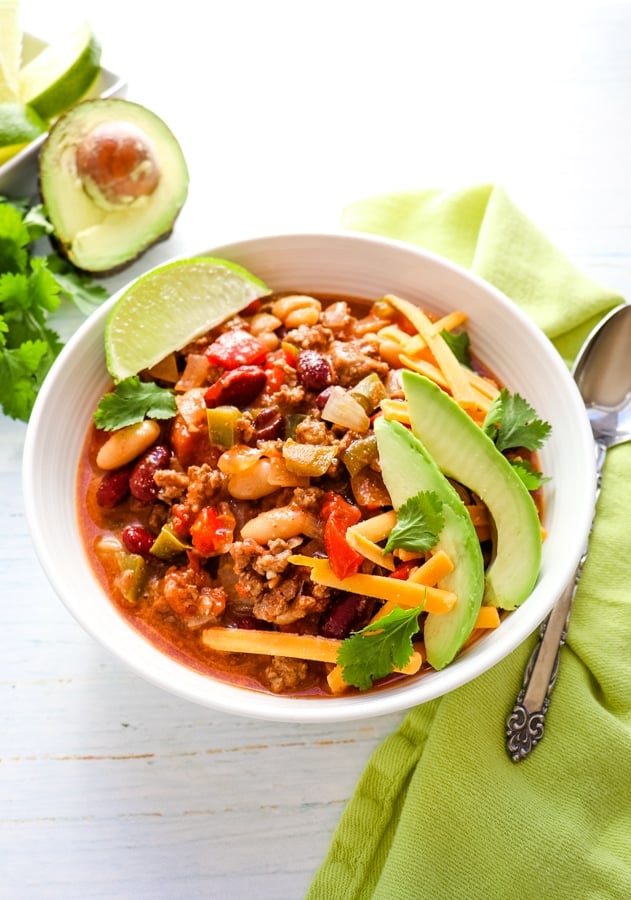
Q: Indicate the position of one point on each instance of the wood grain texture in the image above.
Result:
(110, 788)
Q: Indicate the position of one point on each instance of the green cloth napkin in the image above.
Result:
(441, 811)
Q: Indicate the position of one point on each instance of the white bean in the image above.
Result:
(297, 309)
(253, 482)
(283, 522)
(264, 322)
(127, 443)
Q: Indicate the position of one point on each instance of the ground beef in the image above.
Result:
(245, 430)
(310, 337)
(172, 485)
(313, 431)
(284, 675)
(190, 593)
(353, 360)
(274, 560)
(289, 396)
(205, 486)
(277, 605)
(310, 499)
(286, 603)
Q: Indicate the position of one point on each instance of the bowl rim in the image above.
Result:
(194, 686)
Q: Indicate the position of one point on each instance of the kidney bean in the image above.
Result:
(237, 387)
(113, 487)
(269, 425)
(341, 619)
(137, 539)
(313, 370)
(141, 482)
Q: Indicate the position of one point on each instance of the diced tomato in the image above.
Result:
(339, 515)
(335, 505)
(213, 530)
(403, 571)
(236, 348)
(275, 378)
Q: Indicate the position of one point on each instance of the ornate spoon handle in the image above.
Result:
(525, 724)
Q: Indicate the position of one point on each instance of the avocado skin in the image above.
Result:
(465, 453)
(116, 239)
(408, 469)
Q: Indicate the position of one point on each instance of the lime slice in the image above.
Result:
(172, 305)
(62, 73)
(10, 51)
(19, 125)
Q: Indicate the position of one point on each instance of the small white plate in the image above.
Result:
(18, 176)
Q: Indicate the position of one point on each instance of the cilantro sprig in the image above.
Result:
(419, 522)
(379, 648)
(511, 422)
(32, 288)
(460, 345)
(531, 478)
(131, 401)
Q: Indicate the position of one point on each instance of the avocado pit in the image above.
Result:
(117, 164)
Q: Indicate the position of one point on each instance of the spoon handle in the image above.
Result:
(525, 724)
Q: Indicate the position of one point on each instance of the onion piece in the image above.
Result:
(342, 409)
(194, 374)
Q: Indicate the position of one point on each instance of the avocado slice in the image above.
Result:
(465, 453)
(113, 180)
(407, 468)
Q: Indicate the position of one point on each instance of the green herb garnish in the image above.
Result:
(378, 649)
(419, 523)
(531, 478)
(131, 401)
(459, 344)
(31, 289)
(511, 422)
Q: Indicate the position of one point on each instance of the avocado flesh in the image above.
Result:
(465, 453)
(408, 469)
(101, 240)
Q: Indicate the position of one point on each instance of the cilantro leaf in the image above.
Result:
(512, 422)
(14, 239)
(419, 523)
(81, 289)
(22, 370)
(378, 649)
(531, 478)
(37, 222)
(131, 401)
(459, 344)
(31, 288)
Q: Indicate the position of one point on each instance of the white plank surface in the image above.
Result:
(110, 788)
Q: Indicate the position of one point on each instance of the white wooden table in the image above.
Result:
(110, 788)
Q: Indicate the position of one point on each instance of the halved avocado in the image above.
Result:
(463, 452)
(407, 468)
(113, 180)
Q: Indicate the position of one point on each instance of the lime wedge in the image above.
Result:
(19, 125)
(10, 51)
(172, 305)
(62, 73)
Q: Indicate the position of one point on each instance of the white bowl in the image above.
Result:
(360, 266)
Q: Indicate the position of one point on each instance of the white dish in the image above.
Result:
(18, 175)
(363, 266)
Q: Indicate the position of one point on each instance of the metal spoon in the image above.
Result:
(602, 372)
